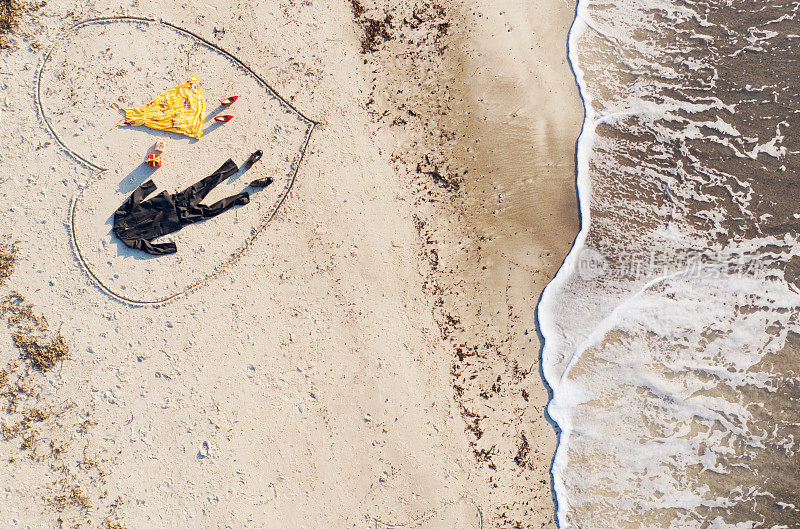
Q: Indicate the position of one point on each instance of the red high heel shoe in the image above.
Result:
(228, 100)
(223, 119)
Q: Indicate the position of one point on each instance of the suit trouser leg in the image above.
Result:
(220, 206)
(192, 195)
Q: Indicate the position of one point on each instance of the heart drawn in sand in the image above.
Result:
(127, 61)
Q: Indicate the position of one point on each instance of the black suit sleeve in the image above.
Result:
(138, 195)
(161, 248)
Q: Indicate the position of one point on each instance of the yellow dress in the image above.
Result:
(181, 109)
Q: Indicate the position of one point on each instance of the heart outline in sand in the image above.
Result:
(99, 171)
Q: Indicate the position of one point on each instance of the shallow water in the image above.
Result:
(671, 336)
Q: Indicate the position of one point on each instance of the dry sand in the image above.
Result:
(371, 359)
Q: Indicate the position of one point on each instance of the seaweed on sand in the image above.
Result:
(9, 19)
(10, 12)
(7, 256)
(42, 348)
(376, 31)
(44, 429)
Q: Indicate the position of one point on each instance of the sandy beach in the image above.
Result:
(357, 346)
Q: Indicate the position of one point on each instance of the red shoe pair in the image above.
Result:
(225, 102)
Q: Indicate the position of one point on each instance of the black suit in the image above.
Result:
(137, 221)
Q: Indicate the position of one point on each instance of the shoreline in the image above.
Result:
(528, 233)
(512, 219)
(545, 307)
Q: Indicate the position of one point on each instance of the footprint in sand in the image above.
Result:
(127, 61)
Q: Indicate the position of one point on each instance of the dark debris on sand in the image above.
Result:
(410, 40)
(7, 255)
(37, 344)
(10, 12)
(376, 30)
(43, 429)
(9, 19)
(42, 348)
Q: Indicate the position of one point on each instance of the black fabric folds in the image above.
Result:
(138, 221)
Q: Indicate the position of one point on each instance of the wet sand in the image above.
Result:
(519, 207)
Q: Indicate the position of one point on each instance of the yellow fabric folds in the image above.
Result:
(180, 109)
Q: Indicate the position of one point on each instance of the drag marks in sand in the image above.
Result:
(464, 514)
(128, 61)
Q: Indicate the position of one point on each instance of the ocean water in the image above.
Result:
(672, 331)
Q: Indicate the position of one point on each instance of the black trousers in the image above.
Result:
(187, 202)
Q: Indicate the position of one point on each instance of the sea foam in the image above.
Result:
(669, 341)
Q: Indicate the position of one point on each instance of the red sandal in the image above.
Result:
(228, 100)
(223, 119)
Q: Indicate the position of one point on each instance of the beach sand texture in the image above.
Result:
(370, 357)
